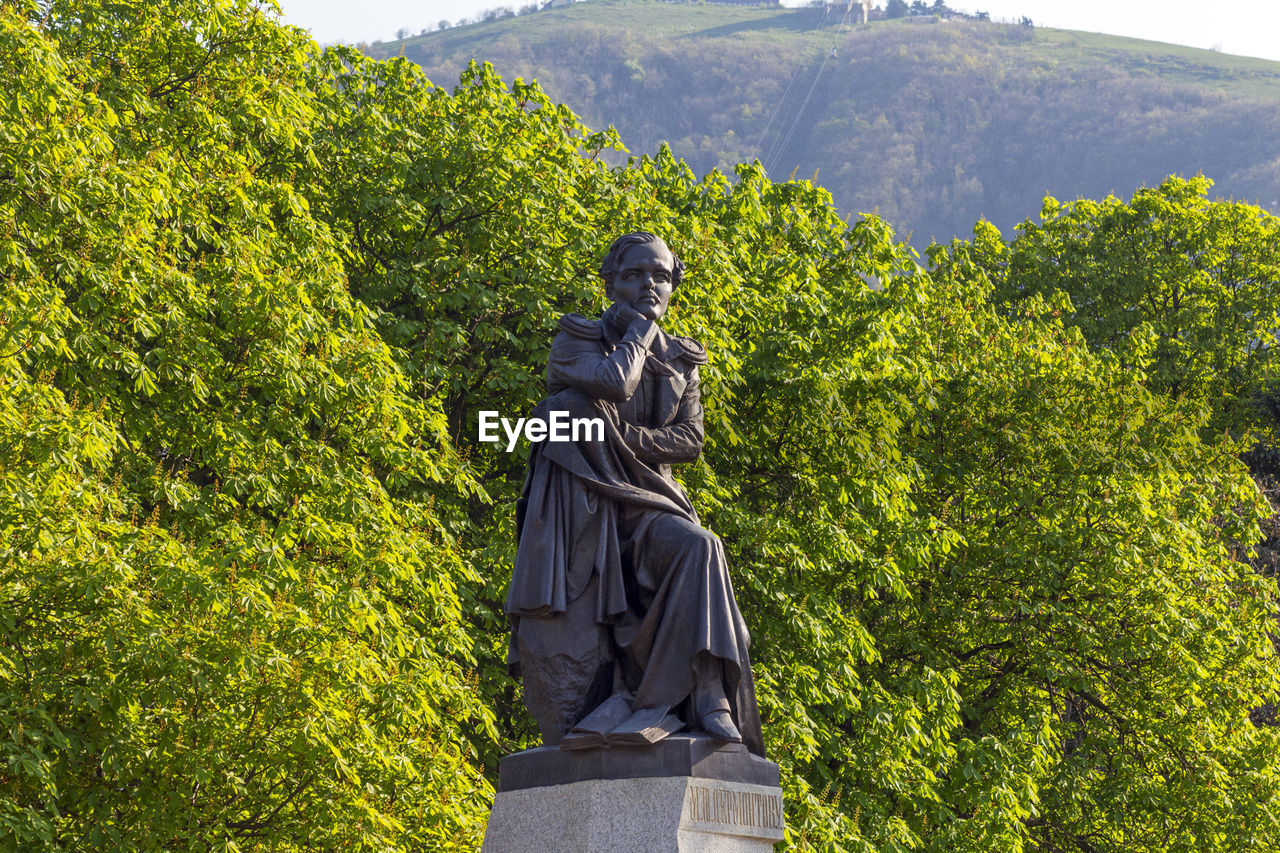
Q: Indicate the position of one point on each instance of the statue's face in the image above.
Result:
(644, 279)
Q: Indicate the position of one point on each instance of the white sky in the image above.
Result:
(1246, 27)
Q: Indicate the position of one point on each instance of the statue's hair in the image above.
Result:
(612, 258)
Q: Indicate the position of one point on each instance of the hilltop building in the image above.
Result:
(772, 4)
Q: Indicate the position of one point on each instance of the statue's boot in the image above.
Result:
(710, 703)
(719, 724)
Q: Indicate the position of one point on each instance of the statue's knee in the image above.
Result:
(686, 530)
(706, 542)
(708, 539)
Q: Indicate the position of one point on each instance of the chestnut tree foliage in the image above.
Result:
(252, 557)
(1200, 278)
(223, 628)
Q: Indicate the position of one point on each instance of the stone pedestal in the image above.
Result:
(685, 794)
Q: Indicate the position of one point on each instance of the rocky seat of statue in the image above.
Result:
(685, 793)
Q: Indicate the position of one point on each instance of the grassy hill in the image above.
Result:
(932, 123)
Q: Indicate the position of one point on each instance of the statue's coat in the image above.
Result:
(610, 510)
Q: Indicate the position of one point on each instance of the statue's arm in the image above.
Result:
(678, 441)
(578, 363)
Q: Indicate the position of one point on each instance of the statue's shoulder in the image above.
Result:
(582, 327)
(690, 350)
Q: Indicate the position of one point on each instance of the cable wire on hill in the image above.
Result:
(775, 154)
(781, 100)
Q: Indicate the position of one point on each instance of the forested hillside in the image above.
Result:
(934, 123)
(988, 522)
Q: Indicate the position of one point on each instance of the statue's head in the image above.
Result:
(642, 272)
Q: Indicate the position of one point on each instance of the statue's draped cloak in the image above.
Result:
(611, 510)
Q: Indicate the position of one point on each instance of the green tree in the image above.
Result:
(219, 628)
(1085, 604)
(1201, 276)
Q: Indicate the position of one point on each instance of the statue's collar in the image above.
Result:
(666, 347)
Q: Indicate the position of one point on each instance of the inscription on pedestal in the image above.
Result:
(735, 809)
(684, 794)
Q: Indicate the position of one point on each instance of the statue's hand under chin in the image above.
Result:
(622, 315)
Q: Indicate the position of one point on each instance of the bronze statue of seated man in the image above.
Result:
(624, 623)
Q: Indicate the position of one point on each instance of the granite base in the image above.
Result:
(688, 794)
